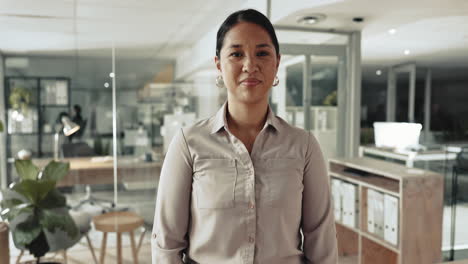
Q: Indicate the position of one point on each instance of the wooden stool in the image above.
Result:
(119, 222)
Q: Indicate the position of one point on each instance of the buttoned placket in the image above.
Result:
(249, 188)
(251, 213)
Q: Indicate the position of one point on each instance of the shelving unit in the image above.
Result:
(323, 121)
(419, 207)
(49, 96)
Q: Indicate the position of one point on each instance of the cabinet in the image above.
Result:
(323, 124)
(32, 107)
(398, 212)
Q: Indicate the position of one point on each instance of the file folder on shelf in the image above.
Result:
(391, 219)
(350, 200)
(370, 211)
(379, 214)
(336, 193)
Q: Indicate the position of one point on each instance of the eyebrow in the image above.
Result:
(263, 45)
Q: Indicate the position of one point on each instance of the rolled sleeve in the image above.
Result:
(169, 239)
(318, 224)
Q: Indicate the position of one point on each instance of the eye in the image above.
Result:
(263, 53)
(235, 54)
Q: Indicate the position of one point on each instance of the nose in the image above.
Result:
(250, 64)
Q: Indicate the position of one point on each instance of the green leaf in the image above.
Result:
(8, 194)
(54, 199)
(26, 169)
(20, 214)
(33, 190)
(17, 214)
(11, 204)
(26, 232)
(58, 219)
(55, 171)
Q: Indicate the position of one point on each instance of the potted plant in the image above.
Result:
(36, 211)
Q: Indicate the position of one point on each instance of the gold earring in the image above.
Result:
(219, 81)
(276, 81)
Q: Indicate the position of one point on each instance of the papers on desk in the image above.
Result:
(102, 159)
(346, 202)
(382, 215)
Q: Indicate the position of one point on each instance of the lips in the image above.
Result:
(251, 82)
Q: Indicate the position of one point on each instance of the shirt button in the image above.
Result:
(154, 236)
(251, 205)
(251, 239)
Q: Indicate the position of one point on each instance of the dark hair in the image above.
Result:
(246, 15)
(77, 108)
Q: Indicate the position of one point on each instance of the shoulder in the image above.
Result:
(201, 127)
(290, 130)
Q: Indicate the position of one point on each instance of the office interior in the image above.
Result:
(381, 81)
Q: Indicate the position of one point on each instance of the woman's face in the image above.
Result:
(248, 63)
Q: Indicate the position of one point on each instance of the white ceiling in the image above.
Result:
(148, 28)
(435, 31)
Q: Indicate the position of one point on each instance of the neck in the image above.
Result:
(247, 117)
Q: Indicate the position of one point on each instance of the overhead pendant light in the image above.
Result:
(311, 19)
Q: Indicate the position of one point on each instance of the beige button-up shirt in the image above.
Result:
(218, 204)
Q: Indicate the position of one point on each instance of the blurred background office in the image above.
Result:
(130, 73)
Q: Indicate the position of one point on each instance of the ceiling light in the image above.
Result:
(407, 52)
(311, 19)
(391, 31)
(106, 85)
(378, 72)
(112, 75)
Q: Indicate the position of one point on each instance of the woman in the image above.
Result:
(241, 186)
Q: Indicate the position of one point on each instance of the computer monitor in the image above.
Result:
(397, 135)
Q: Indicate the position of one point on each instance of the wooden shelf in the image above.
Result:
(385, 185)
(419, 207)
(380, 241)
(348, 260)
(347, 227)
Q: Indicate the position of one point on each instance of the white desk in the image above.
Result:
(408, 157)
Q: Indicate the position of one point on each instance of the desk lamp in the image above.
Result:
(69, 128)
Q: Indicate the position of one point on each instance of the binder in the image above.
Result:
(350, 201)
(370, 211)
(391, 219)
(379, 214)
(336, 193)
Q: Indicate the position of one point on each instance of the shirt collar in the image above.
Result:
(220, 120)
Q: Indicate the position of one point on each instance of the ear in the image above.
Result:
(278, 61)
(217, 63)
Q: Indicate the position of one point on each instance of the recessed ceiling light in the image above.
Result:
(311, 19)
(111, 75)
(391, 31)
(106, 85)
(378, 72)
(407, 52)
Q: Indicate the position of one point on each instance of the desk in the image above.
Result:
(409, 157)
(99, 170)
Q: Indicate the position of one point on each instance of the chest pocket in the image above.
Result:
(214, 183)
(282, 182)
